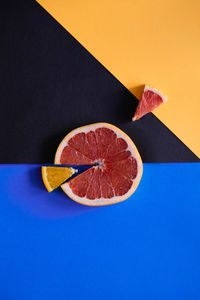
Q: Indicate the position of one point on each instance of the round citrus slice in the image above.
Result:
(53, 177)
(151, 98)
(117, 166)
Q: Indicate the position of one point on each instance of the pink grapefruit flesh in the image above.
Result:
(151, 98)
(116, 170)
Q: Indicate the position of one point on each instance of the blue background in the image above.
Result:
(147, 247)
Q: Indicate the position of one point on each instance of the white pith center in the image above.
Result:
(99, 163)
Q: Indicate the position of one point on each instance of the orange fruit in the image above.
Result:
(151, 98)
(116, 164)
(53, 177)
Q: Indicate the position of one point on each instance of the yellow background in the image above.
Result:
(154, 42)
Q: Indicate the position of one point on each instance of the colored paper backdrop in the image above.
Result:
(154, 42)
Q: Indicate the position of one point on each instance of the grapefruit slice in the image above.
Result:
(117, 166)
(151, 98)
(53, 177)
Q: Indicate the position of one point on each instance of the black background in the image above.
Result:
(50, 85)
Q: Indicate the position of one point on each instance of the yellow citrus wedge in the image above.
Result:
(53, 177)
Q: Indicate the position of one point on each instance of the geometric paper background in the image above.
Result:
(52, 247)
(141, 42)
(144, 248)
(51, 84)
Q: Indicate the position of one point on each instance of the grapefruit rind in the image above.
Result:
(131, 147)
(45, 181)
(148, 88)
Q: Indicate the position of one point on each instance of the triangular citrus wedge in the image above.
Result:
(53, 177)
(151, 98)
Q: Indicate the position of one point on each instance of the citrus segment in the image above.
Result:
(151, 98)
(53, 177)
(116, 170)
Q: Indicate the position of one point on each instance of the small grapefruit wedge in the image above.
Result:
(116, 166)
(151, 98)
(53, 177)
